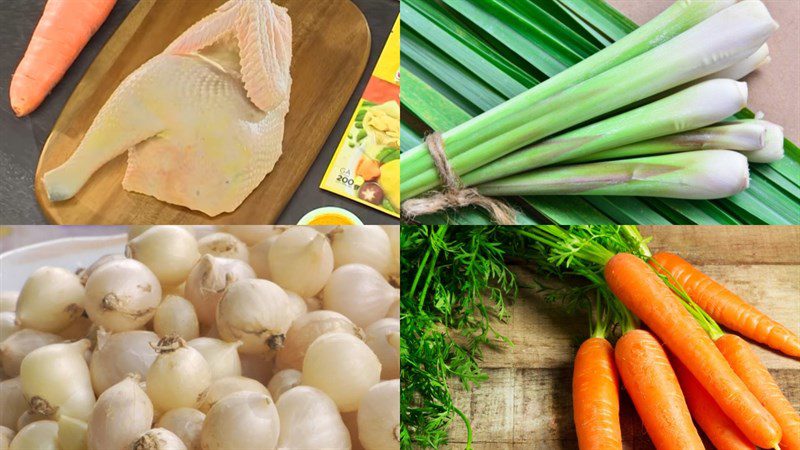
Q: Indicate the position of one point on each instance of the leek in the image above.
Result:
(694, 107)
(706, 174)
(676, 19)
(716, 43)
(745, 66)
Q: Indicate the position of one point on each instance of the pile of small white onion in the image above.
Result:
(250, 337)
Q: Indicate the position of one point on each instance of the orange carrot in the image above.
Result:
(61, 34)
(719, 428)
(595, 396)
(758, 379)
(653, 387)
(640, 289)
(727, 308)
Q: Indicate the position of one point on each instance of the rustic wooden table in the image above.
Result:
(527, 402)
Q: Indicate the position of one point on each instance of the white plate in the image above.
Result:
(70, 253)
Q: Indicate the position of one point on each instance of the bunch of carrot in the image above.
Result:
(684, 366)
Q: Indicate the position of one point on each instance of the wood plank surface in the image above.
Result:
(527, 402)
(331, 44)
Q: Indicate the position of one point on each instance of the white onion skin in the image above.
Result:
(342, 366)
(176, 315)
(360, 293)
(72, 433)
(8, 301)
(6, 436)
(365, 244)
(28, 417)
(256, 312)
(310, 419)
(284, 380)
(57, 376)
(17, 346)
(178, 376)
(258, 366)
(301, 260)
(77, 330)
(209, 279)
(253, 234)
(8, 324)
(393, 231)
(122, 413)
(169, 251)
(313, 304)
(13, 402)
(122, 295)
(119, 354)
(259, 257)
(158, 439)
(222, 357)
(50, 300)
(307, 328)
(41, 435)
(223, 387)
(84, 274)
(383, 337)
(186, 424)
(379, 417)
(243, 420)
(223, 245)
(394, 310)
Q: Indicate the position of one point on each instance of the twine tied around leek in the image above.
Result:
(454, 194)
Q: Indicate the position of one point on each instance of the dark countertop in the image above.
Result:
(21, 140)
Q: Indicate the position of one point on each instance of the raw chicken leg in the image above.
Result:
(203, 121)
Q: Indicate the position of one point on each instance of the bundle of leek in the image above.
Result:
(668, 83)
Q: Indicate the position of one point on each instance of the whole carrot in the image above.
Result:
(595, 396)
(62, 32)
(653, 387)
(719, 428)
(758, 379)
(640, 289)
(726, 307)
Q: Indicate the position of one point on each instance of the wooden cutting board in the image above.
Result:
(331, 45)
(527, 401)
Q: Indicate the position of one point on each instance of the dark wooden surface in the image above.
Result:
(527, 401)
(23, 139)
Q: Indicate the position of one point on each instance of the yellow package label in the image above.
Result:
(366, 165)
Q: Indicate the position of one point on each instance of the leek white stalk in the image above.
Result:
(122, 413)
(694, 107)
(50, 300)
(746, 136)
(55, 379)
(712, 45)
(673, 21)
(744, 67)
(706, 174)
(72, 433)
